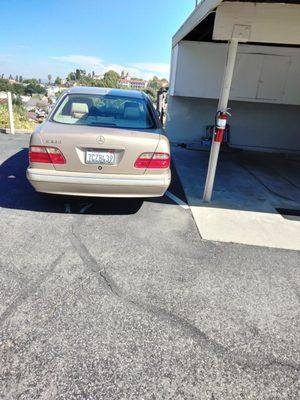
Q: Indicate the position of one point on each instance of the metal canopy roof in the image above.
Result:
(196, 17)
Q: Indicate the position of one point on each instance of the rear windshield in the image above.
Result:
(104, 110)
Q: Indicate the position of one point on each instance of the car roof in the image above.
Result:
(102, 91)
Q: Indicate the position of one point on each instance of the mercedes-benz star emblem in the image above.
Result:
(100, 139)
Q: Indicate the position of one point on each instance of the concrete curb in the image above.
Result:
(7, 131)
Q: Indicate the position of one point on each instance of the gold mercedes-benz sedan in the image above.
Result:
(100, 142)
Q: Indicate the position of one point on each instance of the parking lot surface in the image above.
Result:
(122, 299)
(256, 196)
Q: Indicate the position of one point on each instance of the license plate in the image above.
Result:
(100, 157)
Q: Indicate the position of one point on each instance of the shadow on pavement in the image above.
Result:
(245, 180)
(17, 193)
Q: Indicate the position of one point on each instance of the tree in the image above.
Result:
(5, 86)
(79, 74)
(110, 79)
(164, 82)
(151, 93)
(34, 87)
(17, 101)
(18, 89)
(49, 78)
(156, 83)
(71, 76)
(33, 80)
(57, 81)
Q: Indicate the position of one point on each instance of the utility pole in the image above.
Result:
(10, 113)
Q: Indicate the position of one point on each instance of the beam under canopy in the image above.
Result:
(267, 22)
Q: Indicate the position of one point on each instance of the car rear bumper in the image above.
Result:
(87, 184)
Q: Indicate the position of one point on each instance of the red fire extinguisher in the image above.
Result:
(220, 125)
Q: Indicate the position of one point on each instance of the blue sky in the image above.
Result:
(55, 37)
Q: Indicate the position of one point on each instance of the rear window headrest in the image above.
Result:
(132, 113)
(131, 104)
(79, 108)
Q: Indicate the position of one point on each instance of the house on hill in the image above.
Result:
(127, 82)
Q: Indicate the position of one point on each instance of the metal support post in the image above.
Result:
(222, 106)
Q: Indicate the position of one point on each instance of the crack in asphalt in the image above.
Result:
(10, 310)
(167, 316)
(295, 288)
(187, 327)
(90, 261)
(113, 288)
(16, 273)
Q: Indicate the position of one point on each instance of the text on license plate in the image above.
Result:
(99, 157)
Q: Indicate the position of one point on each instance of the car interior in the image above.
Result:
(93, 110)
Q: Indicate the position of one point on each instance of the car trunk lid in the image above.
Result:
(88, 148)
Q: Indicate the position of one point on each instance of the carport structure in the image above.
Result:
(245, 52)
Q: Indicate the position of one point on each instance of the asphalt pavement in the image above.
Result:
(122, 299)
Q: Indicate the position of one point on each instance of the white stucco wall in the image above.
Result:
(268, 74)
(256, 126)
(265, 94)
(268, 22)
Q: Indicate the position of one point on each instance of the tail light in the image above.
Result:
(153, 160)
(45, 154)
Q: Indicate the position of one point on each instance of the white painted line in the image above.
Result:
(68, 208)
(177, 200)
(86, 207)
